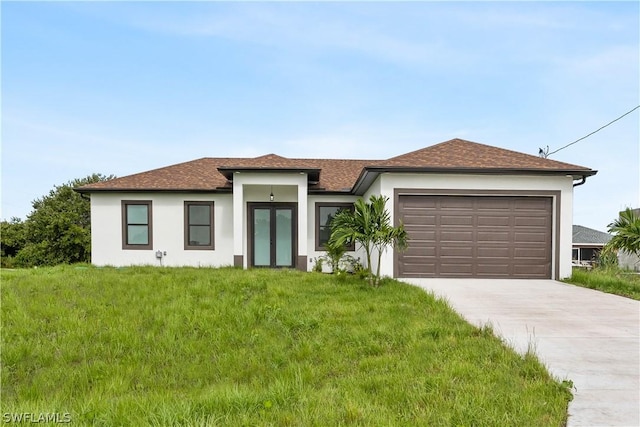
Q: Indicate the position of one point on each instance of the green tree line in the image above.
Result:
(57, 231)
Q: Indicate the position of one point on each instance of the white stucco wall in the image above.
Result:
(168, 230)
(230, 216)
(386, 183)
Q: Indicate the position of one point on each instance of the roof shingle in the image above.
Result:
(584, 235)
(336, 175)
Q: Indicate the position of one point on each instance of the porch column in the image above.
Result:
(238, 221)
(303, 200)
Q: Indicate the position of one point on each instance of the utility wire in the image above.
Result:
(586, 136)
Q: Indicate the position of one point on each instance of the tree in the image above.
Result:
(626, 231)
(58, 230)
(370, 226)
(12, 240)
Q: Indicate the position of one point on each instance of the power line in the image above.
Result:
(545, 153)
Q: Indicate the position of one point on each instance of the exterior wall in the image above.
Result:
(168, 231)
(562, 222)
(230, 217)
(168, 223)
(628, 261)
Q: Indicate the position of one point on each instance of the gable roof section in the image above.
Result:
(589, 236)
(460, 154)
(338, 175)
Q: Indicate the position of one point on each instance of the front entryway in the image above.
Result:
(272, 235)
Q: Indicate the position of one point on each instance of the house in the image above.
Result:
(587, 244)
(471, 210)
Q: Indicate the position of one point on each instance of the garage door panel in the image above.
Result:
(493, 270)
(456, 220)
(418, 202)
(529, 204)
(456, 269)
(456, 236)
(456, 251)
(414, 219)
(495, 236)
(427, 251)
(419, 269)
(492, 252)
(499, 204)
(493, 221)
(531, 221)
(476, 236)
(422, 235)
(526, 271)
(529, 237)
(456, 203)
(534, 253)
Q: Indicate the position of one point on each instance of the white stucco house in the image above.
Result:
(471, 210)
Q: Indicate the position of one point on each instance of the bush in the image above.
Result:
(57, 231)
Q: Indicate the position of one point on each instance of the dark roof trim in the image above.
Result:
(218, 190)
(154, 190)
(370, 173)
(330, 192)
(228, 171)
(364, 181)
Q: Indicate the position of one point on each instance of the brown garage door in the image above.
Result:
(476, 236)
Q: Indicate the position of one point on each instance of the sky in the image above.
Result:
(120, 88)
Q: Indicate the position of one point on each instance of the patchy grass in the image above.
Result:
(227, 347)
(612, 281)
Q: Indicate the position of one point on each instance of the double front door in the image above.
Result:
(272, 234)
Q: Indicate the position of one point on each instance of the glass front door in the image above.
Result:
(272, 234)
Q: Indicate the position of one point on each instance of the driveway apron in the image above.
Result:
(582, 335)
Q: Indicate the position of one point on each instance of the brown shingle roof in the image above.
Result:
(213, 174)
(461, 154)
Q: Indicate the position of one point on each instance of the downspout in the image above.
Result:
(584, 179)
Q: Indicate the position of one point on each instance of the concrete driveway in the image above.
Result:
(585, 336)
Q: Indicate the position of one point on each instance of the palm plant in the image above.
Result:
(370, 226)
(626, 231)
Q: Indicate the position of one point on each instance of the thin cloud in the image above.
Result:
(303, 28)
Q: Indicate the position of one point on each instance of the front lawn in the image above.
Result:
(163, 346)
(611, 280)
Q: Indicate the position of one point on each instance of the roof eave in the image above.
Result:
(228, 171)
(152, 190)
(370, 173)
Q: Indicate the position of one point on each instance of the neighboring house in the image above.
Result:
(471, 210)
(627, 260)
(587, 244)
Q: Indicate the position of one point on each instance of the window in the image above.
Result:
(136, 224)
(198, 225)
(325, 212)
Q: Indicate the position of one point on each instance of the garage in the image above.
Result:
(476, 236)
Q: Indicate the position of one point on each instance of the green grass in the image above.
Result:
(227, 347)
(612, 281)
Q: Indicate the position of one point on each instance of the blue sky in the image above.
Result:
(119, 88)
